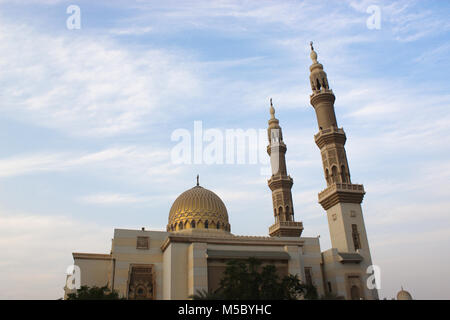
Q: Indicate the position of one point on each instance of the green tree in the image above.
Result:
(247, 280)
(93, 293)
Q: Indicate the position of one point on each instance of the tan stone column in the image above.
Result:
(197, 268)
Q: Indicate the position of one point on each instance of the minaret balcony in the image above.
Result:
(322, 94)
(286, 229)
(280, 181)
(341, 193)
(330, 135)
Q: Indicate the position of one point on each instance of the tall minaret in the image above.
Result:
(280, 183)
(341, 199)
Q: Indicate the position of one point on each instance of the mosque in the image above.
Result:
(192, 253)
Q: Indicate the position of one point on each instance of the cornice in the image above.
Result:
(231, 240)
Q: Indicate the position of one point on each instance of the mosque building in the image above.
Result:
(192, 253)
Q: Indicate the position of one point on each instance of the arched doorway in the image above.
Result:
(355, 293)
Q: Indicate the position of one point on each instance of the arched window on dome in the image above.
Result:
(218, 225)
(192, 224)
(206, 224)
(180, 226)
(327, 176)
(288, 214)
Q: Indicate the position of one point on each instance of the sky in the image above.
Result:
(88, 115)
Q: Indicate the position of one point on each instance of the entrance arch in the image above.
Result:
(355, 293)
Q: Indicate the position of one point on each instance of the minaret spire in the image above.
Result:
(280, 183)
(341, 199)
(313, 54)
(272, 110)
(330, 139)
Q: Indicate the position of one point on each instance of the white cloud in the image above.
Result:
(135, 30)
(114, 199)
(87, 86)
(36, 250)
(140, 162)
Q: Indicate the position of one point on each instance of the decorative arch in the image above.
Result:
(334, 174)
(280, 213)
(355, 293)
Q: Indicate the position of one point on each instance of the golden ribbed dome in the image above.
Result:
(404, 295)
(198, 208)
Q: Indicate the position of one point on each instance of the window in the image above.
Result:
(334, 174)
(192, 224)
(308, 276)
(355, 236)
(206, 224)
(329, 287)
(142, 243)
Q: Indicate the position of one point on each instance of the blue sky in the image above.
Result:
(87, 116)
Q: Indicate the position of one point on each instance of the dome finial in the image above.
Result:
(313, 54)
(272, 110)
(198, 178)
